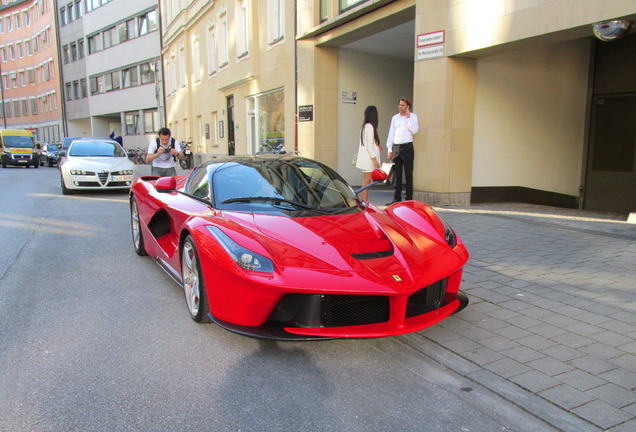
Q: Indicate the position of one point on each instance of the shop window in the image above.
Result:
(266, 122)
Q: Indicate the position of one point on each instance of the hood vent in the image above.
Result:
(373, 255)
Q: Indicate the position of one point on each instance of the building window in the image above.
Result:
(132, 122)
(151, 121)
(25, 106)
(196, 63)
(147, 73)
(130, 77)
(66, 54)
(242, 28)
(34, 105)
(148, 22)
(23, 82)
(276, 21)
(73, 51)
(223, 48)
(31, 76)
(27, 21)
(211, 51)
(95, 43)
(348, 4)
(80, 48)
(27, 44)
(110, 37)
(182, 67)
(76, 89)
(69, 92)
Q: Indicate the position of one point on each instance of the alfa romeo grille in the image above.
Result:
(103, 177)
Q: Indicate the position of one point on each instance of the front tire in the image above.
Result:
(138, 237)
(65, 190)
(193, 284)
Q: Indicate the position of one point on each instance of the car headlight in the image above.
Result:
(79, 172)
(127, 172)
(245, 258)
(449, 233)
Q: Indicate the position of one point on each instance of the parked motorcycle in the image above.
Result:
(188, 161)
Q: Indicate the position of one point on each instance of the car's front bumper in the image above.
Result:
(96, 181)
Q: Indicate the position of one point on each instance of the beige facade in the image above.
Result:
(229, 75)
(502, 88)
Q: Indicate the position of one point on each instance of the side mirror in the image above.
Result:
(61, 153)
(378, 176)
(166, 184)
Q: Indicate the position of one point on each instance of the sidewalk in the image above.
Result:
(552, 321)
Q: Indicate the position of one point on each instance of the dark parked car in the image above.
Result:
(48, 154)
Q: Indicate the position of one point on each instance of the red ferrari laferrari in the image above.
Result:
(280, 247)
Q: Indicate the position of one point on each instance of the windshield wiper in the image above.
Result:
(271, 199)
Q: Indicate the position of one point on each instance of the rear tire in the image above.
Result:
(193, 284)
(135, 225)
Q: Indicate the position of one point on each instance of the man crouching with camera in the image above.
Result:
(163, 152)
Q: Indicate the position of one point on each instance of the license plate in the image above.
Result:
(187, 152)
(120, 178)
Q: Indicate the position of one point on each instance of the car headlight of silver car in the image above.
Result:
(245, 258)
(126, 172)
(81, 172)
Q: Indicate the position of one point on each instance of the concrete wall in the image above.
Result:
(530, 118)
(378, 81)
(79, 128)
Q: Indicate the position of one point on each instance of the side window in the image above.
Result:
(198, 185)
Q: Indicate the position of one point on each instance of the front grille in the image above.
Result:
(103, 177)
(116, 184)
(20, 156)
(427, 299)
(88, 184)
(316, 310)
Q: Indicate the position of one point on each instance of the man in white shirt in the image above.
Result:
(399, 144)
(163, 153)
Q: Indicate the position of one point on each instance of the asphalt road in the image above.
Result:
(95, 338)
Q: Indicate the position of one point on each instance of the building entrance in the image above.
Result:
(611, 172)
(611, 167)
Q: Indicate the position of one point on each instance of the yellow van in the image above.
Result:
(17, 147)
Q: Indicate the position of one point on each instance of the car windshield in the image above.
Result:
(97, 149)
(293, 184)
(18, 141)
(66, 143)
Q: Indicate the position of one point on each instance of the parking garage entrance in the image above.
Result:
(611, 165)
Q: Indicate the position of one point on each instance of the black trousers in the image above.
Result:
(403, 156)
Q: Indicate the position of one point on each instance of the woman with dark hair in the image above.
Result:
(369, 148)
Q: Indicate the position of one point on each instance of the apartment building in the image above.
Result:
(517, 100)
(229, 74)
(29, 69)
(111, 68)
